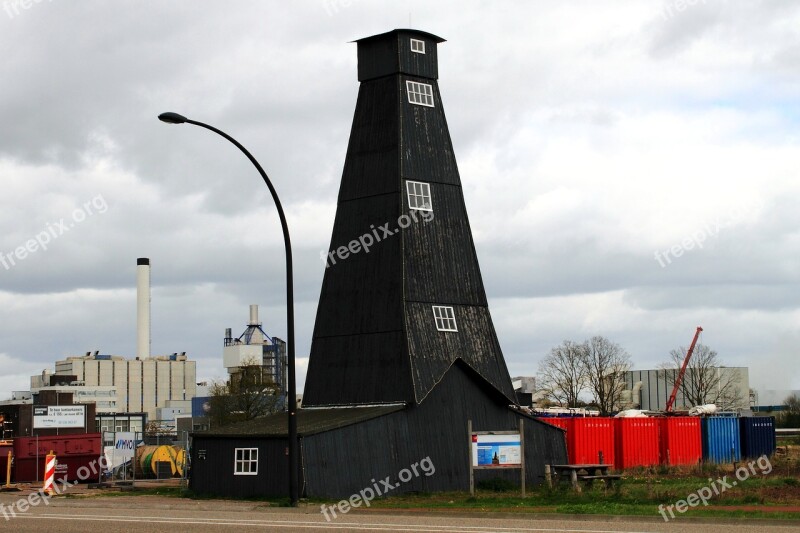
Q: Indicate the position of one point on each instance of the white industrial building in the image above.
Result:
(655, 386)
(160, 386)
(142, 385)
(254, 346)
(103, 396)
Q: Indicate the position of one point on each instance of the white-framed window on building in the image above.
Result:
(418, 46)
(419, 195)
(445, 318)
(419, 93)
(246, 463)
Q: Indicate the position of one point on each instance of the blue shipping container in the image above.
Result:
(757, 436)
(721, 440)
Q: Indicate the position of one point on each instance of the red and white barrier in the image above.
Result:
(49, 473)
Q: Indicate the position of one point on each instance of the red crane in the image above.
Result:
(678, 381)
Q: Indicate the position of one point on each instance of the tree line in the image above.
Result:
(595, 370)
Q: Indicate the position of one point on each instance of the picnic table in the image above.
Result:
(584, 472)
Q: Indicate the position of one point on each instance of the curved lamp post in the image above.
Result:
(291, 393)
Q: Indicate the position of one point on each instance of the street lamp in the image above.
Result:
(291, 392)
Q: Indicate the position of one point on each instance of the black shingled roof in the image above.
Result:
(309, 422)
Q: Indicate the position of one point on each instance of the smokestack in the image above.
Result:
(143, 308)
(254, 315)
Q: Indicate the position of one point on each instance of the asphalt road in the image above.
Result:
(124, 514)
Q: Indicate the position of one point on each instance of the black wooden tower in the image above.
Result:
(402, 297)
(404, 353)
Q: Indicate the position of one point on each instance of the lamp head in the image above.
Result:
(172, 118)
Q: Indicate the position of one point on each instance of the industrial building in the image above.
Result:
(654, 387)
(156, 388)
(254, 346)
(104, 397)
(772, 399)
(106, 423)
(144, 384)
(141, 385)
(49, 413)
(404, 353)
(525, 390)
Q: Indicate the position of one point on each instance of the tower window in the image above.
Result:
(419, 195)
(418, 46)
(445, 318)
(419, 93)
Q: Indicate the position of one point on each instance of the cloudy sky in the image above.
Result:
(589, 135)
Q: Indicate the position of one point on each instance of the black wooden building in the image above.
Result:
(404, 351)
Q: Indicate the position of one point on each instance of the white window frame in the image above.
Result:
(445, 318)
(419, 93)
(419, 195)
(240, 461)
(417, 46)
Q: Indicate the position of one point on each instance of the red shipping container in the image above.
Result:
(72, 453)
(637, 442)
(589, 438)
(563, 423)
(681, 440)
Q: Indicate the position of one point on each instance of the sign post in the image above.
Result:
(49, 473)
(8, 469)
(496, 450)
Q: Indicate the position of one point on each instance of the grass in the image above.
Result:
(635, 496)
(639, 494)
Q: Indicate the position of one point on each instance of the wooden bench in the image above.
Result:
(608, 479)
(581, 472)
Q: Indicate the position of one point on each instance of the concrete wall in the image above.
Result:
(657, 385)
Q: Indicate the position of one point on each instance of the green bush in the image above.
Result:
(787, 420)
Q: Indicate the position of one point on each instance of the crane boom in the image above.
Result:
(679, 380)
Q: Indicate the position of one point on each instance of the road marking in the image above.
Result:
(309, 525)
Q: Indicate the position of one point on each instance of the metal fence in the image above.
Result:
(136, 457)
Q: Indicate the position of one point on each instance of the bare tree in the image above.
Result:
(790, 418)
(605, 364)
(562, 375)
(792, 404)
(706, 379)
(250, 392)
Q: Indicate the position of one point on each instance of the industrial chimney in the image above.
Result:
(254, 315)
(143, 308)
